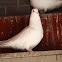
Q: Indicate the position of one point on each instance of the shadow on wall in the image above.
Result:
(58, 10)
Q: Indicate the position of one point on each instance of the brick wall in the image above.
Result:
(14, 7)
(18, 7)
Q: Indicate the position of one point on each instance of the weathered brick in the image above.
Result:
(22, 10)
(8, 2)
(2, 11)
(24, 2)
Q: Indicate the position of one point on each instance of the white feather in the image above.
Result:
(30, 36)
(46, 4)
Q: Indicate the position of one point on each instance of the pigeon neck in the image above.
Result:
(35, 20)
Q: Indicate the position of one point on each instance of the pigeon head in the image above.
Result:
(35, 10)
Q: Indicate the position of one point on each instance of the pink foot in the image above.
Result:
(31, 52)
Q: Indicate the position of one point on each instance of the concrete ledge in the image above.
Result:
(39, 56)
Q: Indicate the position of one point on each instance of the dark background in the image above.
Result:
(18, 7)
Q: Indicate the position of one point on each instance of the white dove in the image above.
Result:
(29, 37)
(46, 4)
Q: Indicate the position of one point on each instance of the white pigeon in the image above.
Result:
(46, 4)
(29, 37)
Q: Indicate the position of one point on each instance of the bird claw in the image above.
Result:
(31, 52)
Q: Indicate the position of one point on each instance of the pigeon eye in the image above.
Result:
(33, 11)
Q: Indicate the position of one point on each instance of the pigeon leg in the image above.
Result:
(31, 52)
(42, 11)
